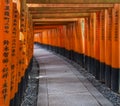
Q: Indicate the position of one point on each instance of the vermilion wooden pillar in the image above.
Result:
(5, 51)
(97, 47)
(108, 48)
(115, 48)
(103, 19)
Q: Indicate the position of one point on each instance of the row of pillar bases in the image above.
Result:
(102, 72)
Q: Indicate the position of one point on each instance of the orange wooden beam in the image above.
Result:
(70, 5)
(68, 15)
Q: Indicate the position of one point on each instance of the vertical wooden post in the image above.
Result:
(5, 51)
(86, 42)
(115, 48)
(108, 48)
(103, 19)
(97, 46)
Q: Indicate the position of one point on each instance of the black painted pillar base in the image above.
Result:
(53, 49)
(97, 70)
(102, 72)
(63, 51)
(71, 55)
(56, 49)
(115, 79)
(59, 50)
(21, 89)
(108, 76)
(77, 58)
(12, 102)
(86, 62)
(80, 56)
(17, 102)
(16, 99)
(50, 48)
(82, 60)
(92, 66)
(67, 54)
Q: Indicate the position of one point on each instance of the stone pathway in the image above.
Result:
(60, 84)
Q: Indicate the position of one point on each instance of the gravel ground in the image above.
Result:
(107, 92)
(31, 93)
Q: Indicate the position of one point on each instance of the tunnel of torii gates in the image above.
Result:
(85, 31)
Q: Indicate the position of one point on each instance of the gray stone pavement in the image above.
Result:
(60, 84)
